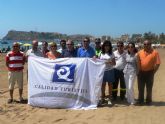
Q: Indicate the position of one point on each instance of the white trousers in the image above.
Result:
(129, 81)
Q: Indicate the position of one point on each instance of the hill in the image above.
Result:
(31, 35)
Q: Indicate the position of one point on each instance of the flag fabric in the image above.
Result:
(65, 82)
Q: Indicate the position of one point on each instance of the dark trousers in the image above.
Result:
(145, 79)
(119, 76)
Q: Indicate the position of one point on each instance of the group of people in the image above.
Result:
(121, 65)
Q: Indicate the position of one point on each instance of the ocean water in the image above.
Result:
(4, 44)
(9, 43)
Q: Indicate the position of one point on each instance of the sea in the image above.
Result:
(7, 44)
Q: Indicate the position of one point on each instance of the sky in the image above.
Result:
(95, 17)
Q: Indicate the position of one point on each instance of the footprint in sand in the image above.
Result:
(90, 117)
(78, 115)
(60, 119)
(79, 122)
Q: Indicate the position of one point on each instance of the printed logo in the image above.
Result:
(64, 73)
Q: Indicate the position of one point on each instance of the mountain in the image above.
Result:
(31, 35)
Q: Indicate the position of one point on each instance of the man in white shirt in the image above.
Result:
(63, 46)
(34, 51)
(120, 58)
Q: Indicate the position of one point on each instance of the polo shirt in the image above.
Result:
(15, 61)
(148, 60)
(90, 52)
(67, 53)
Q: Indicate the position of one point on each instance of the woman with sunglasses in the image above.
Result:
(108, 56)
(130, 72)
(53, 54)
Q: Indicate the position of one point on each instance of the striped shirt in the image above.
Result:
(15, 61)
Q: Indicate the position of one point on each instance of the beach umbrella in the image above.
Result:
(39, 43)
(20, 43)
(50, 43)
(27, 44)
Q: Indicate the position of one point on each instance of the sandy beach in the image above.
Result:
(120, 113)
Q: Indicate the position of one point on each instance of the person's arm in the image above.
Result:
(24, 59)
(7, 60)
(137, 63)
(156, 68)
(78, 52)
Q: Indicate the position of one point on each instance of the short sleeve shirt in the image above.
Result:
(148, 60)
(90, 52)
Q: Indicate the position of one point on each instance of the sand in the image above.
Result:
(120, 113)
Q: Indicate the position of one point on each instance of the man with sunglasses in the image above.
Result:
(70, 51)
(86, 50)
(15, 60)
(120, 58)
(97, 47)
(149, 62)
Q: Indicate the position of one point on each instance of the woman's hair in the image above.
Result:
(133, 44)
(53, 44)
(106, 43)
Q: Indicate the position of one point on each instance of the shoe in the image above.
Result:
(101, 102)
(21, 100)
(132, 103)
(109, 102)
(139, 103)
(148, 103)
(114, 99)
(122, 98)
(9, 101)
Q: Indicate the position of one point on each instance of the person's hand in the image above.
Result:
(108, 61)
(94, 58)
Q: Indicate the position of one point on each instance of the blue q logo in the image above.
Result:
(64, 73)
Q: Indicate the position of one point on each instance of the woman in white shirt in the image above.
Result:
(130, 72)
(107, 55)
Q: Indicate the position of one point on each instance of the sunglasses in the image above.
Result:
(130, 47)
(147, 44)
(15, 46)
(53, 46)
(85, 41)
(119, 45)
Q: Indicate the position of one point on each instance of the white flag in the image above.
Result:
(65, 82)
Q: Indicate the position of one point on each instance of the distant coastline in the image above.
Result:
(31, 35)
(14, 35)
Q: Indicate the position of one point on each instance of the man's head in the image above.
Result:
(70, 45)
(63, 44)
(86, 42)
(44, 45)
(34, 45)
(97, 43)
(120, 46)
(147, 45)
(16, 47)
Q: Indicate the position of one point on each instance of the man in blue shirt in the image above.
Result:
(86, 50)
